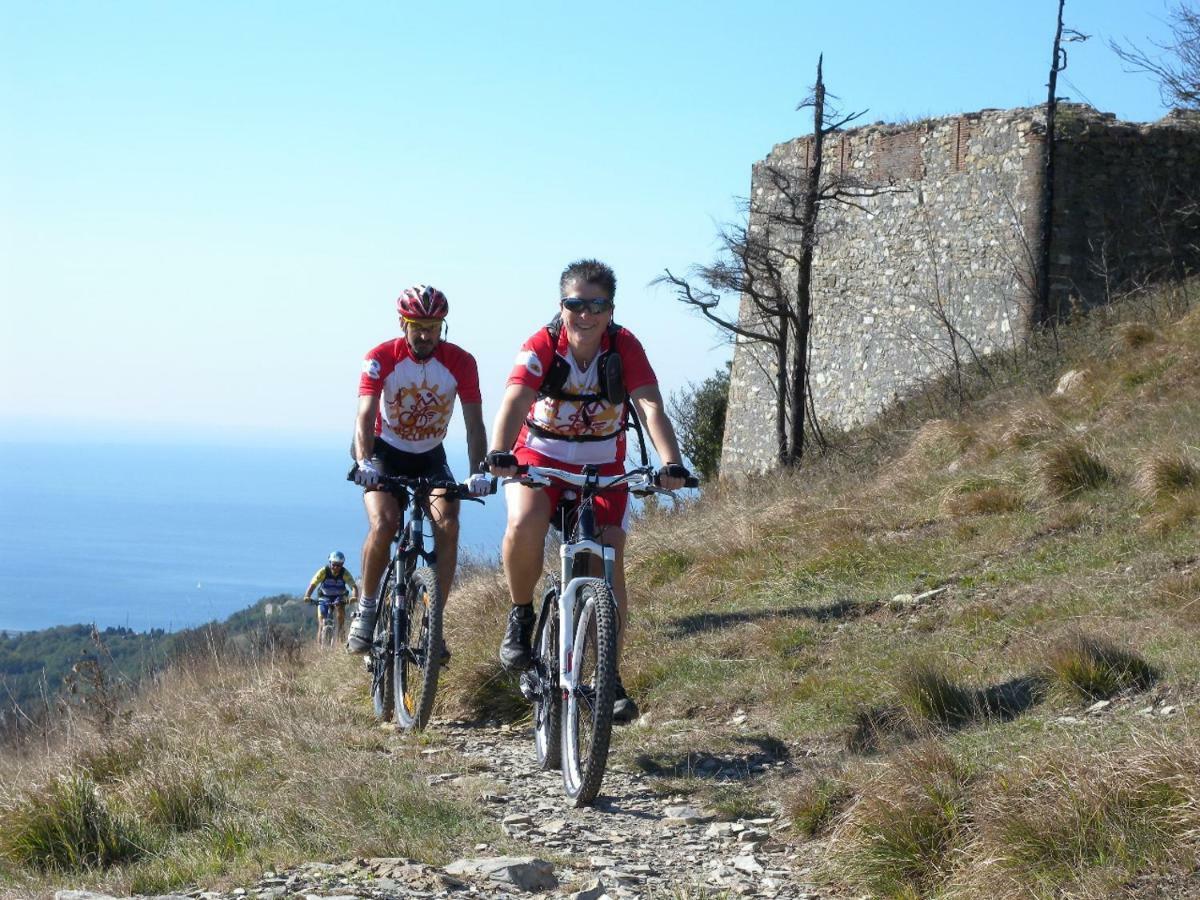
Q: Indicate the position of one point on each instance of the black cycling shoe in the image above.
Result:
(624, 709)
(445, 660)
(514, 649)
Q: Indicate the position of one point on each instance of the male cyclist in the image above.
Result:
(566, 407)
(333, 581)
(405, 398)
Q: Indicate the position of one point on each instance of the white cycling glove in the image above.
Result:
(367, 474)
(479, 485)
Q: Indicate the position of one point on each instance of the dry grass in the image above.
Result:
(225, 763)
(1071, 465)
(935, 445)
(899, 837)
(1179, 595)
(1073, 823)
(1165, 474)
(1132, 335)
(980, 496)
(1028, 426)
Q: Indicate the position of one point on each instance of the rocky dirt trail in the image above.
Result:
(632, 843)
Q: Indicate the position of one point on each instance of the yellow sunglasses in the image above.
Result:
(425, 324)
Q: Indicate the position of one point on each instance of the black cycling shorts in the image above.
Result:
(430, 464)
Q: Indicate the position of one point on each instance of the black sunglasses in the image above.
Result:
(595, 307)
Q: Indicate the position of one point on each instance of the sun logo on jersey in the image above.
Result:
(418, 412)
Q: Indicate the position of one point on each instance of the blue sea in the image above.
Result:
(169, 536)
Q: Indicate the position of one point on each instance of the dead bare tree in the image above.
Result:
(767, 264)
(1177, 66)
(1058, 63)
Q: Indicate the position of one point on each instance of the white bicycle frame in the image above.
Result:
(568, 595)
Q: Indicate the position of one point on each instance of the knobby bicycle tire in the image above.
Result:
(327, 636)
(590, 704)
(419, 637)
(547, 703)
(382, 654)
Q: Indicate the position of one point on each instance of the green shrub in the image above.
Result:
(699, 415)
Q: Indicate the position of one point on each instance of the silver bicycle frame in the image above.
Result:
(568, 679)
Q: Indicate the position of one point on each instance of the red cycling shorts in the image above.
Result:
(610, 507)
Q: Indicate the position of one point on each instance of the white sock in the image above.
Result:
(367, 604)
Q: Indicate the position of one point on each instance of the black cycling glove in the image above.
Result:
(501, 459)
(674, 470)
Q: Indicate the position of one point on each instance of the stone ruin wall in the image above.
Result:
(952, 237)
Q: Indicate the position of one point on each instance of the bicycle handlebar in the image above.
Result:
(643, 479)
(421, 484)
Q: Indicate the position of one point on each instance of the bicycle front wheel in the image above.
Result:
(419, 639)
(547, 697)
(383, 651)
(327, 635)
(587, 725)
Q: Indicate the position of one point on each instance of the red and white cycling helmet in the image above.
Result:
(422, 302)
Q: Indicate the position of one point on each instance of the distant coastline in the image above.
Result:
(171, 537)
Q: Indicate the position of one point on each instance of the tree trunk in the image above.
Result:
(1047, 204)
(802, 313)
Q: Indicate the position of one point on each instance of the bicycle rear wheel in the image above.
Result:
(419, 639)
(587, 725)
(382, 651)
(547, 697)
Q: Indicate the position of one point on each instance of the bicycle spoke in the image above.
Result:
(418, 664)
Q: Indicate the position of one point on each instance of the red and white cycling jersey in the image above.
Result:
(417, 395)
(599, 422)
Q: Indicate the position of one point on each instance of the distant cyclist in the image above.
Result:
(405, 398)
(333, 582)
(567, 406)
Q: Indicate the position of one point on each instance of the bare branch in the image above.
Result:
(1177, 68)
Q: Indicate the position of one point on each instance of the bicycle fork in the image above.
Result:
(568, 679)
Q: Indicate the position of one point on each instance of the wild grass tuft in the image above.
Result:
(1166, 474)
(1131, 335)
(1069, 466)
(474, 686)
(813, 804)
(1028, 426)
(899, 839)
(936, 443)
(1070, 820)
(182, 801)
(67, 826)
(973, 496)
(1095, 669)
(932, 696)
(1179, 594)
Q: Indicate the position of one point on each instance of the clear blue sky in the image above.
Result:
(207, 209)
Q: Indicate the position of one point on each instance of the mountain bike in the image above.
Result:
(573, 673)
(406, 654)
(327, 630)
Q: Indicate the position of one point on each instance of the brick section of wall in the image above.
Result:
(954, 238)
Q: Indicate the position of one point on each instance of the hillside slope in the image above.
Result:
(956, 657)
